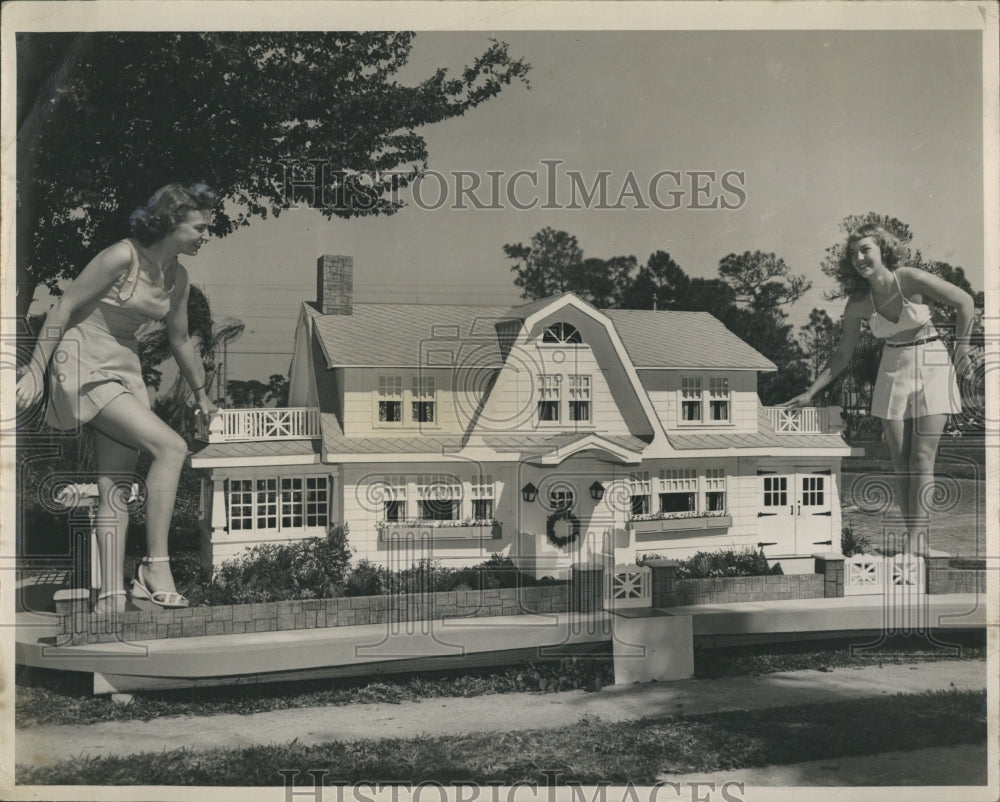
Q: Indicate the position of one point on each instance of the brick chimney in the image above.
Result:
(335, 284)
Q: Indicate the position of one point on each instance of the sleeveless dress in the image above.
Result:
(913, 379)
(98, 357)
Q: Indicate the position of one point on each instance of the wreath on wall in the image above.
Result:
(565, 514)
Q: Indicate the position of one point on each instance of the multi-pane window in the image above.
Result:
(561, 498)
(304, 500)
(395, 498)
(266, 504)
(678, 490)
(715, 489)
(240, 504)
(483, 492)
(291, 501)
(423, 399)
(691, 399)
(276, 503)
(813, 488)
(317, 501)
(718, 399)
(439, 497)
(775, 491)
(579, 398)
(639, 492)
(561, 333)
(390, 399)
(549, 397)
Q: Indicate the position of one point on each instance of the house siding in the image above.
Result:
(664, 389)
(363, 508)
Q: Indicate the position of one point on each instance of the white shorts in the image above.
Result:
(916, 380)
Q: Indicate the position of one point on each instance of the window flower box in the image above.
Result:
(652, 523)
(440, 530)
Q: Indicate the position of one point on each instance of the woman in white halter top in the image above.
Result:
(95, 379)
(916, 389)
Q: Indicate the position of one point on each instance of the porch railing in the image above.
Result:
(807, 420)
(287, 423)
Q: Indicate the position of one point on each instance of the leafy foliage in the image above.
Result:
(315, 568)
(725, 562)
(320, 568)
(853, 542)
(748, 297)
(135, 111)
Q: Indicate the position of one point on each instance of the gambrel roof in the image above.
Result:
(404, 335)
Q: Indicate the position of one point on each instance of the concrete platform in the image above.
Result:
(466, 642)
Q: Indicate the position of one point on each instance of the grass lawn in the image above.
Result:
(589, 753)
(61, 697)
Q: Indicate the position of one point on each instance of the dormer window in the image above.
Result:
(579, 398)
(423, 399)
(718, 399)
(390, 399)
(706, 402)
(549, 398)
(561, 333)
(691, 399)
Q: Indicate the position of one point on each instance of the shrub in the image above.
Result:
(367, 579)
(853, 542)
(315, 568)
(726, 562)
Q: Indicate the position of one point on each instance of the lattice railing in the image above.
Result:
(630, 586)
(807, 420)
(875, 573)
(287, 423)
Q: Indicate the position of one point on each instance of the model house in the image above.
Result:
(553, 432)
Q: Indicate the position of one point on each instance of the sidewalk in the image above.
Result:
(524, 711)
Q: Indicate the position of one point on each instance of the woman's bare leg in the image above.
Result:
(133, 424)
(923, 453)
(115, 474)
(898, 436)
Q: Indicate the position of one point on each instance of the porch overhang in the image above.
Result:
(616, 450)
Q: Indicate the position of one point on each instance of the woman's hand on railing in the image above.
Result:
(801, 400)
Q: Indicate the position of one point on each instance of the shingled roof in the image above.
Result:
(405, 335)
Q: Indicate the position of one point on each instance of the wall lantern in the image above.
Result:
(529, 492)
(597, 491)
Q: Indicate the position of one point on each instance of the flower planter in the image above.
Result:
(698, 523)
(416, 531)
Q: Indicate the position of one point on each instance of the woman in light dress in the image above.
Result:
(95, 379)
(916, 388)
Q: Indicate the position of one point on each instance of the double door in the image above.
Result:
(796, 509)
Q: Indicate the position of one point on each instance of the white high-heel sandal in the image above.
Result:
(108, 595)
(161, 598)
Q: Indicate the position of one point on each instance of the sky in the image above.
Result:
(811, 125)
(820, 124)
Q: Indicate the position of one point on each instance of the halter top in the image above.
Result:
(913, 317)
(135, 293)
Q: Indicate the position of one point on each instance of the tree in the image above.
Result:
(207, 335)
(551, 264)
(762, 283)
(246, 393)
(277, 390)
(819, 338)
(105, 118)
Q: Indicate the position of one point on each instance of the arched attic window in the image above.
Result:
(561, 333)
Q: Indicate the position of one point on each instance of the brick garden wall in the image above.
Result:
(955, 575)
(80, 627)
(670, 591)
(723, 590)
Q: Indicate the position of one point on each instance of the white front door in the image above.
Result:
(795, 510)
(813, 512)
